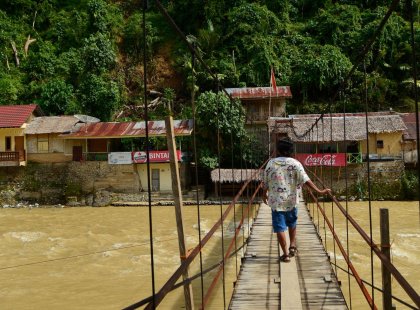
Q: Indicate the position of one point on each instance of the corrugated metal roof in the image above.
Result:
(260, 92)
(16, 115)
(410, 121)
(128, 129)
(51, 124)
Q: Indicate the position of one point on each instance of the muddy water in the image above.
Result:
(405, 247)
(99, 258)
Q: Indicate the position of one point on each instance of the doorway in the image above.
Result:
(77, 153)
(155, 180)
(8, 144)
(20, 147)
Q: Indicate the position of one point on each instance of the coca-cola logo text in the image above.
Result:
(336, 159)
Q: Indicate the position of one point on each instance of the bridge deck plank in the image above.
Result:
(263, 279)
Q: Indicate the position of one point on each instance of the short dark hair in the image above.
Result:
(285, 147)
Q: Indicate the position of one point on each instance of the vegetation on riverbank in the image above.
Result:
(86, 56)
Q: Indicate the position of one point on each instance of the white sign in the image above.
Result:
(120, 158)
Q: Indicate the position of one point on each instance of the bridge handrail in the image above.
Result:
(345, 255)
(230, 247)
(391, 268)
(166, 288)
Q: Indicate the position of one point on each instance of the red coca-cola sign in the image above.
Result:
(327, 159)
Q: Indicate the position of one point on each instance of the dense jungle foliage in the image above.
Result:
(86, 56)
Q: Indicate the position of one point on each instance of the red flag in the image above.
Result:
(273, 81)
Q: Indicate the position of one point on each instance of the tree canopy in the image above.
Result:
(87, 56)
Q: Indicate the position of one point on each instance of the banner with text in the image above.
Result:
(327, 159)
(154, 157)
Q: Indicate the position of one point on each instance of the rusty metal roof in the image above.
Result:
(16, 115)
(260, 92)
(410, 121)
(128, 129)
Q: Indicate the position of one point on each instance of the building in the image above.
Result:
(102, 142)
(347, 141)
(43, 140)
(261, 103)
(13, 121)
(409, 141)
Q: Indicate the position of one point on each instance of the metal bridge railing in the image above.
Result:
(374, 247)
(154, 301)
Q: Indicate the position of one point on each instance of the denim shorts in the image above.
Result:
(284, 219)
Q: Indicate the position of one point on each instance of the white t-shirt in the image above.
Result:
(283, 178)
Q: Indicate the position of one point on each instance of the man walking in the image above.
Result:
(282, 181)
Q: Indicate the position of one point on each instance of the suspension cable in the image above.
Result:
(368, 180)
(81, 255)
(221, 204)
(414, 66)
(331, 182)
(347, 199)
(194, 112)
(233, 180)
(146, 121)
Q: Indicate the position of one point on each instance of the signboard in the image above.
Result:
(327, 159)
(154, 157)
(120, 158)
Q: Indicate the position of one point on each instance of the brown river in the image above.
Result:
(99, 258)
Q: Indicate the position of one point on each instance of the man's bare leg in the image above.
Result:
(292, 236)
(281, 237)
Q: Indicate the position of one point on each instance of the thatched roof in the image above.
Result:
(296, 127)
(51, 124)
(236, 176)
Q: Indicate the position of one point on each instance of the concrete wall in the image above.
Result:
(53, 182)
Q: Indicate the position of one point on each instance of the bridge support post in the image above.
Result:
(176, 189)
(386, 250)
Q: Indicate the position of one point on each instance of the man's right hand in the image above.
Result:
(325, 191)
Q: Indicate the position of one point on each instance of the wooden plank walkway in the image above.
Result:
(263, 280)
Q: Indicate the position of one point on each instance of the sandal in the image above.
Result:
(285, 258)
(292, 251)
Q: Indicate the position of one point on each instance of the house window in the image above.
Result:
(380, 144)
(8, 144)
(42, 146)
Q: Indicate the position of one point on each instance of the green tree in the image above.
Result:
(319, 69)
(98, 53)
(98, 96)
(57, 97)
(218, 118)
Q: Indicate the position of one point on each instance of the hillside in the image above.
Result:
(87, 56)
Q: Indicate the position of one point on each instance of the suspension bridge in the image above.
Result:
(262, 282)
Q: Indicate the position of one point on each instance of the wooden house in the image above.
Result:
(261, 103)
(43, 140)
(409, 141)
